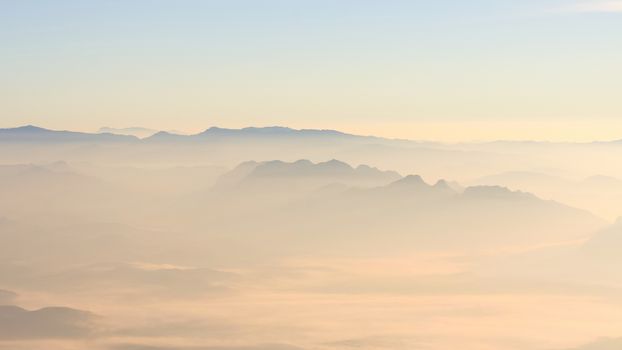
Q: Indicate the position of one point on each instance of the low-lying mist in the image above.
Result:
(277, 239)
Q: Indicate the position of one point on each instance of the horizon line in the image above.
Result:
(345, 133)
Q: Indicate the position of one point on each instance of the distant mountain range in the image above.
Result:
(32, 133)
(313, 206)
(302, 175)
(371, 205)
(262, 133)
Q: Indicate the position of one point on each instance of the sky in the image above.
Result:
(452, 70)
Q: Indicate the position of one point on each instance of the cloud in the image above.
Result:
(596, 6)
(50, 322)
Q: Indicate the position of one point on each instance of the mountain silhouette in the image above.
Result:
(271, 133)
(304, 174)
(606, 244)
(30, 133)
(131, 131)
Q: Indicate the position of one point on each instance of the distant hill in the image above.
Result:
(271, 131)
(34, 134)
(606, 244)
(39, 177)
(133, 131)
(7, 297)
(53, 187)
(49, 322)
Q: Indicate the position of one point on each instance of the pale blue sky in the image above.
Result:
(435, 69)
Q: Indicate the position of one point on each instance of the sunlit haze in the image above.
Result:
(310, 175)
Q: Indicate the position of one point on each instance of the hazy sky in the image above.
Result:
(427, 69)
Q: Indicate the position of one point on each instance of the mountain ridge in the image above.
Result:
(31, 133)
(215, 132)
(330, 171)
